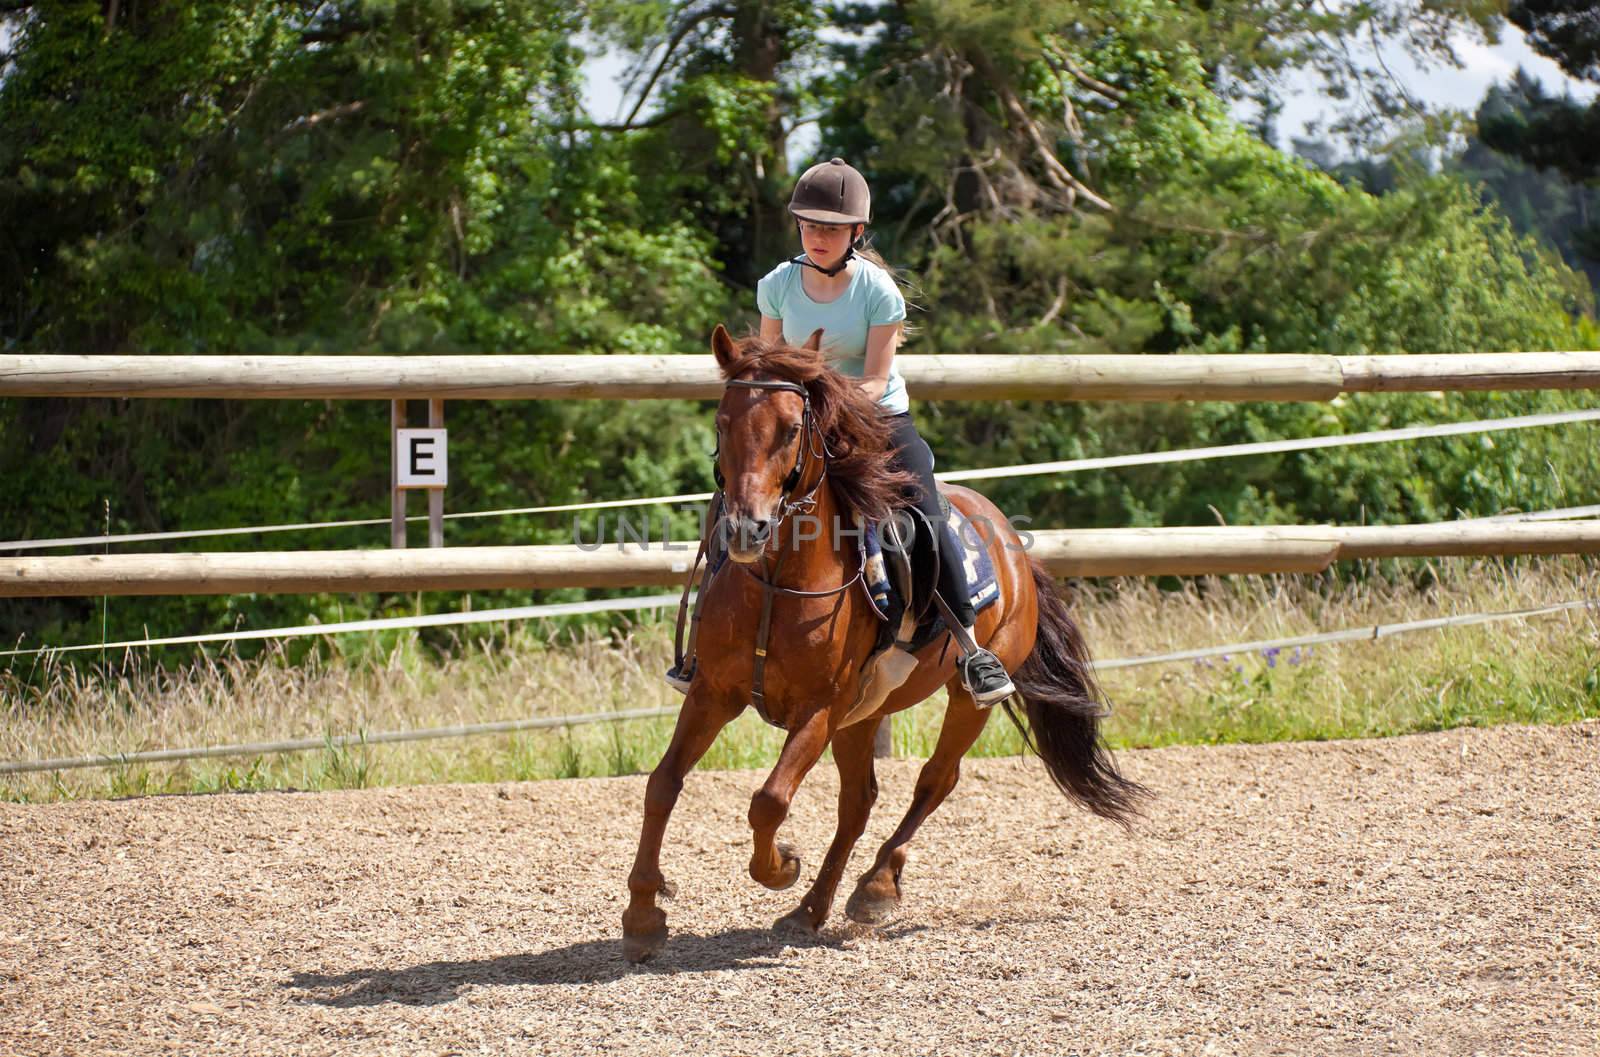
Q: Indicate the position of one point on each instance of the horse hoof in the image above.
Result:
(791, 868)
(795, 923)
(643, 947)
(788, 869)
(867, 909)
(644, 933)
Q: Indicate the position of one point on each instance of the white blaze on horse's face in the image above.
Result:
(759, 439)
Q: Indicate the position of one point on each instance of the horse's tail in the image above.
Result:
(1065, 706)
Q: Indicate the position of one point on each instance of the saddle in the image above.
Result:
(901, 580)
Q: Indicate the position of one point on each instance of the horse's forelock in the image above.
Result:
(789, 362)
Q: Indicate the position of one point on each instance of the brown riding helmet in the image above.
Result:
(832, 193)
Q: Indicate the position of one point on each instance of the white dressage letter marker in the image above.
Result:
(424, 461)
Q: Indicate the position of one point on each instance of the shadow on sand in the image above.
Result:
(594, 961)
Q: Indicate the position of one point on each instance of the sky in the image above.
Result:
(1438, 86)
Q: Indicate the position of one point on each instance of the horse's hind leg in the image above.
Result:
(773, 864)
(877, 894)
(644, 925)
(858, 789)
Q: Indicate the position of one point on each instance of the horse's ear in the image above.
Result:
(722, 346)
(814, 342)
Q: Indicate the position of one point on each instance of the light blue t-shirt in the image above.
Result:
(872, 299)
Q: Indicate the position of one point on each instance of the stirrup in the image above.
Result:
(985, 678)
(679, 679)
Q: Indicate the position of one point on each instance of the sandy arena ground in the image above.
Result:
(1437, 894)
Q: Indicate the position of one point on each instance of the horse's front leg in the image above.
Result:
(858, 789)
(773, 864)
(644, 925)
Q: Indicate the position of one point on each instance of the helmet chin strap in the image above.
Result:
(844, 261)
(849, 255)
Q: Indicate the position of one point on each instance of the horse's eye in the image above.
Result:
(794, 431)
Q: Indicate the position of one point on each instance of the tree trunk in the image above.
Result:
(759, 51)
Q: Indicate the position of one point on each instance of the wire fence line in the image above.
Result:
(332, 741)
(431, 620)
(1369, 633)
(1225, 451)
(1362, 634)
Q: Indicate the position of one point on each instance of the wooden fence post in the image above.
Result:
(436, 495)
(397, 495)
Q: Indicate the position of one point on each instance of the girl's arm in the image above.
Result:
(771, 329)
(881, 343)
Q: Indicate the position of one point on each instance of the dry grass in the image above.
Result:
(1539, 670)
(1542, 670)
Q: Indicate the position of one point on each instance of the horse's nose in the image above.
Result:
(752, 532)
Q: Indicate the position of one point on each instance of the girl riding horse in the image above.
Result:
(844, 290)
(785, 629)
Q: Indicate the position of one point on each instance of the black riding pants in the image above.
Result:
(913, 453)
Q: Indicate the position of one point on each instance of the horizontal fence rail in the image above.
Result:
(1064, 552)
(515, 613)
(1276, 376)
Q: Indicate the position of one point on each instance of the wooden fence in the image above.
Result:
(1278, 376)
(1065, 552)
(1107, 552)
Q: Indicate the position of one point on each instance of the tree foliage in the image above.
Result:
(1075, 186)
(1064, 176)
(1567, 31)
(1542, 200)
(285, 177)
(1548, 132)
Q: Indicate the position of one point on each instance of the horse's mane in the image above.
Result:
(857, 431)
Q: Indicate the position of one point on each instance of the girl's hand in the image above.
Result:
(874, 387)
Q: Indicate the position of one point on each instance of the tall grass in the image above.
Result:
(1543, 670)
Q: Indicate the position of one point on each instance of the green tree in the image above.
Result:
(1071, 183)
(1550, 133)
(1544, 200)
(194, 176)
(188, 175)
(730, 81)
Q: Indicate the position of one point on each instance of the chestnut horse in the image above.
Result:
(789, 426)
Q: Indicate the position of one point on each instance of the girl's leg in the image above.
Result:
(981, 670)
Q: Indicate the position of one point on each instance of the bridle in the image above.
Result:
(813, 444)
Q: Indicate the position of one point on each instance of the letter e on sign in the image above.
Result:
(423, 461)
